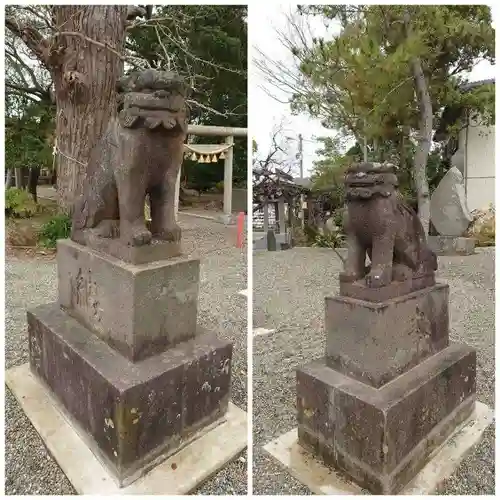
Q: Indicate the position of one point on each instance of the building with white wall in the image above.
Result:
(472, 152)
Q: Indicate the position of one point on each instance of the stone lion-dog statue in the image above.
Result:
(139, 155)
(378, 223)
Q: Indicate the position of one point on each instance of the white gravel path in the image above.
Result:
(29, 470)
(289, 290)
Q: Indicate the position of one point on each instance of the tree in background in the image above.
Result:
(28, 138)
(329, 170)
(383, 79)
(72, 56)
(271, 169)
(207, 44)
(81, 49)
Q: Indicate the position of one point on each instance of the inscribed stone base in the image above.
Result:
(381, 438)
(132, 414)
(452, 245)
(323, 480)
(209, 450)
(376, 342)
(139, 310)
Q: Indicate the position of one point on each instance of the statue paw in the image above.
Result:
(400, 272)
(378, 278)
(172, 233)
(349, 276)
(139, 236)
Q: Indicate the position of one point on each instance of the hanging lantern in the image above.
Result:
(214, 159)
(194, 157)
(222, 156)
(202, 159)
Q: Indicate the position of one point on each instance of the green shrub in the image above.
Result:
(19, 204)
(338, 218)
(310, 232)
(299, 236)
(59, 227)
(219, 186)
(330, 239)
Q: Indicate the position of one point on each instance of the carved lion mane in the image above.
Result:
(153, 99)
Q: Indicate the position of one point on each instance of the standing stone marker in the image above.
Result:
(121, 350)
(391, 387)
(450, 216)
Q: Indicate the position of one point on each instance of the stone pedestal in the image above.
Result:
(139, 310)
(452, 245)
(122, 354)
(390, 390)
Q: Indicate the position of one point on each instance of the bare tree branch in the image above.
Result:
(31, 37)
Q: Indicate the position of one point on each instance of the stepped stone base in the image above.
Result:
(324, 480)
(451, 245)
(132, 414)
(382, 437)
(208, 450)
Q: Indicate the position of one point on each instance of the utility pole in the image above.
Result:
(301, 166)
(301, 157)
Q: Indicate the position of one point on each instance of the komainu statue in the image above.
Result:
(139, 154)
(379, 224)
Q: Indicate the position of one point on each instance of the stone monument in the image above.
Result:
(121, 351)
(392, 387)
(450, 216)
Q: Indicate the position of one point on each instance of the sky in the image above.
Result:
(271, 112)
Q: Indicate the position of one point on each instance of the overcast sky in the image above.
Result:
(270, 112)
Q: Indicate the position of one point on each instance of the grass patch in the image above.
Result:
(24, 232)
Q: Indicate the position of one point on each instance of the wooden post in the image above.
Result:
(228, 177)
(301, 212)
(265, 208)
(281, 215)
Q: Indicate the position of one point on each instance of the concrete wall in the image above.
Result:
(476, 158)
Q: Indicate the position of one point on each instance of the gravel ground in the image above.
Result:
(289, 289)
(29, 469)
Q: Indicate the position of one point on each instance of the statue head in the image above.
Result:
(366, 180)
(153, 99)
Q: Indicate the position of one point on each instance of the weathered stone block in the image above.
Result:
(452, 245)
(359, 289)
(132, 415)
(376, 342)
(382, 437)
(157, 250)
(139, 310)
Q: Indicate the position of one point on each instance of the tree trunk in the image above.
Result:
(85, 76)
(18, 174)
(33, 176)
(424, 137)
(8, 180)
(424, 144)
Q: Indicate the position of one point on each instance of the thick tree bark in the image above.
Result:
(424, 137)
(85, 58)
(85, 76)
